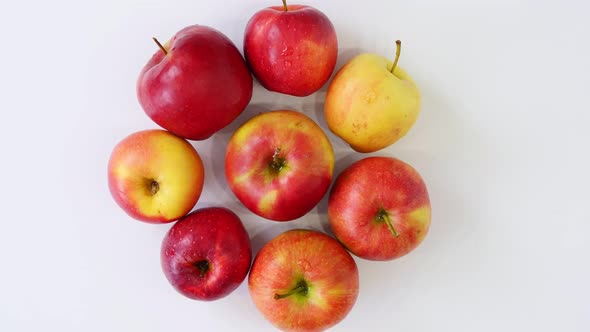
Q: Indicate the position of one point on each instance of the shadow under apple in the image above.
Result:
(267, 233)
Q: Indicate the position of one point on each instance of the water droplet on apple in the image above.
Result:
(287, 63)
(287, 51)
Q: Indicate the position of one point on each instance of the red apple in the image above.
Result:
(379, 208)
(279, 164)
(291, 49)
(303, 280)
(207, 254)
(196, 84)
(155, 176)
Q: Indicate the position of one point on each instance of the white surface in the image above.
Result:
(502, 142)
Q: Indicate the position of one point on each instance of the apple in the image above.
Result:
(291, 49)
(371, 103)
(155, 176)
(206, 255)
(379, 208)
(279, 164)
(195, 84)
(303, 280)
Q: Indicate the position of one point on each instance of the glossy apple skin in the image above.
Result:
(305, 178)
(369, 107)
(357, 197)
(327, 268)
(215, 235)
(200, 87)
(155, 155)
(292, 52)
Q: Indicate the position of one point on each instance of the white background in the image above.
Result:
(502, 142)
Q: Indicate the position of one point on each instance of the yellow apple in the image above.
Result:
(155, 176)
(371, 102)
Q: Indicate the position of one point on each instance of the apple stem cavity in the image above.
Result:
(301, 288)
(398, 50)
(202, 266)
(277, 163)
(153, 187)
(160, 46)
(285, 5)
(383, 216)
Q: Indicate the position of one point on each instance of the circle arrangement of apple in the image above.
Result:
(279, 164)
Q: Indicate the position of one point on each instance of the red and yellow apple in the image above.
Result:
(379, 208)
(371, 103)
(279, 164)
(195, 84)
(291, 49)
(155, 176)
(206, 255)
(303, 280)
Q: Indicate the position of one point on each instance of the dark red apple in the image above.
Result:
(195, 84)
(291, 49)
(379, 208)
(207, 254)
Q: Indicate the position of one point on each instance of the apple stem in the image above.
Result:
(398, 50)
(285, 5)
(384, 216)
(300, 288)
(277, 163)
(160, 46)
